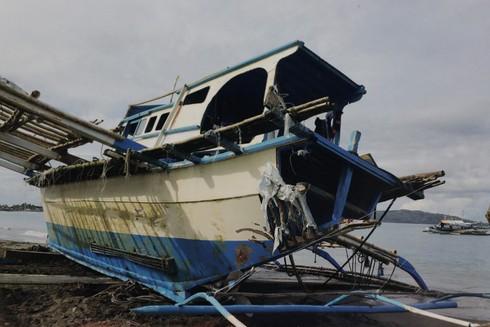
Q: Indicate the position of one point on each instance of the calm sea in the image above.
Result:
(22, 226)
(447, 262)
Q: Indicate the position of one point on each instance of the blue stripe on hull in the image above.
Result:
(197, 261)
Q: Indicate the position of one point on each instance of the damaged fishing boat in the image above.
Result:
(195, 193)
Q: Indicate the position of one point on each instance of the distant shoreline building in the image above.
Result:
(21, 207)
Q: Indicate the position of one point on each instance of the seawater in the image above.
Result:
(459, 263)
(22, 226)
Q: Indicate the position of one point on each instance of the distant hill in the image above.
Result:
(416, 217)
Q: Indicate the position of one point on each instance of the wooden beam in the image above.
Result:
(28, 279)
(18, 161)
(11, 122)
(218, 140)
(11, 166)
(172, 151)
(24, 102)
(19, 142)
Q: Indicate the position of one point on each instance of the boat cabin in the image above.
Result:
(237, 93)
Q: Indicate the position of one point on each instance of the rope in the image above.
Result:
(370, 233)
(362, 243)
(218, 306)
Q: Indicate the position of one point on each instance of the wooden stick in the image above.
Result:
(28, 279)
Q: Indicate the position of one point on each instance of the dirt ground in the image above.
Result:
(78, 304)
(82, 305)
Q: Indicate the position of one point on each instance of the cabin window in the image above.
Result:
(130, 128)
(197, 97)
(161, 121)
(150, 124)
(140, 128)
(240, 98)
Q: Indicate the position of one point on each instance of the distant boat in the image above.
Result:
(458, 227)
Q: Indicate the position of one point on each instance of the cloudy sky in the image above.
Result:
(425, 65)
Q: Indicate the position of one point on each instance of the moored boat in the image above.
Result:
(457, 227)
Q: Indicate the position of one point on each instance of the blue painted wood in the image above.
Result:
(182, 129)
(355, 136)
(357, 162)
(341, 195)
(372, 207)
(287, 308)
(406, 266)
(127, 144)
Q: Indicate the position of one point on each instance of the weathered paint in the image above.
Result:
(198, 261)
(195, 214)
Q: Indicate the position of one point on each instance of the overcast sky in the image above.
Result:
(425, 65)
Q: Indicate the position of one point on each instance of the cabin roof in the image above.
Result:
(306, 59)
(245, 63)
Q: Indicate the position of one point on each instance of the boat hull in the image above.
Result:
(192, 225)
(206, 219)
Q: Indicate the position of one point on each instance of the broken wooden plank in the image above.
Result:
(32, 279)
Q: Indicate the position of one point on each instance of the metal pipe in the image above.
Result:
(286, 308)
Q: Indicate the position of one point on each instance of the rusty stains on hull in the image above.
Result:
(242, 253)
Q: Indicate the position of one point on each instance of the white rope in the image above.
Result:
(425, 313)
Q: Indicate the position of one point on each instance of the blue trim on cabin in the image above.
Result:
(148, 111)
(209, 159)
(134, 110)
(198, 261)
(127, 144)
(148, 135)
(182, 129)
(344, 155)
(168, 132)
(244, 63)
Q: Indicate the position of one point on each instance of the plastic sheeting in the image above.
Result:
(273, 188)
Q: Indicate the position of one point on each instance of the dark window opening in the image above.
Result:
(150, 124)
(240, 98)
(130, 128)
(161, 121)
(197, 97)
(302, 77)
